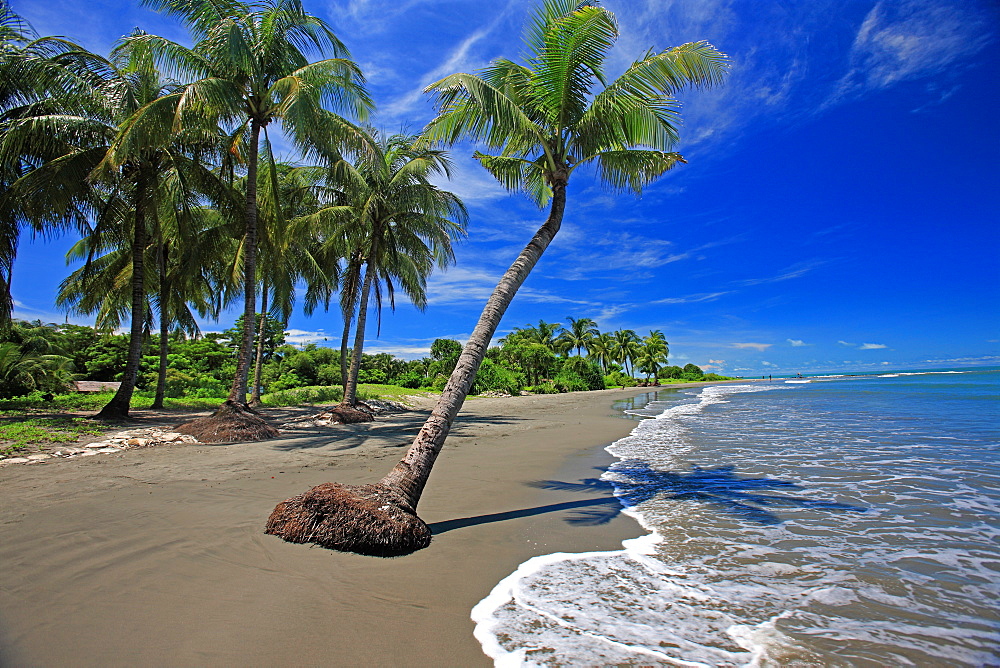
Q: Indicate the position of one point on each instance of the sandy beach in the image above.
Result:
(157, 557)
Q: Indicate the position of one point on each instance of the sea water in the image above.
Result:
(828, 521)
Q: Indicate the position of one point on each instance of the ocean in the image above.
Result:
(827, 521)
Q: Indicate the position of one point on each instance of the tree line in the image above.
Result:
(38, 359)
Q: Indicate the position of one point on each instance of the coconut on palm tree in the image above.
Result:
(543, 120)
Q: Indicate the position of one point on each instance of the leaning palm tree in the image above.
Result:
(544, 123)
(252, 68)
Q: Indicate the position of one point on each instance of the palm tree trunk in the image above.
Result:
(409, 476)
(238, 392)
(161, 374)
(259, 361)
(351, 388)
(118, 407)
(348, 319)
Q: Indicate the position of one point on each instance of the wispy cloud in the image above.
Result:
(792, 73)
(872, 346)
(797, 270)
(468, 285)
(797, 343)
(846, 343)
(459, 59)
(759, 347)
(909, 39)
(690, 299)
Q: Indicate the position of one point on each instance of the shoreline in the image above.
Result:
(158, 557)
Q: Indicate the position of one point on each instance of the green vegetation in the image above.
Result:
(21, 434)
(539, 359)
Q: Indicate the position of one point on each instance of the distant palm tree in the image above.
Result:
(544, 122)
(625, 347)
(394, 224)
(601, 348)
(579, 333)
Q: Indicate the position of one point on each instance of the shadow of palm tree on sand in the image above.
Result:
(720, 488)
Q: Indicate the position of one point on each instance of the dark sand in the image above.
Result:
(157, 557)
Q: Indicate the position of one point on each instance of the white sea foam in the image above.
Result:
(780, 532)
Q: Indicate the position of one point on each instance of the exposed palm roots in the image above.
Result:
(232, 422)
(365, 519)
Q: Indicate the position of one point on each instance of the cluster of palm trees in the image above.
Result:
(159, 157)
(622, 347)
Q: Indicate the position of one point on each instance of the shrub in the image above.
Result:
(671, 372)
(440, 381)
(544, 388)
(492, 377)
(693, 369)
(619, 379)
(312, 394)
(287, 381)
(586, 370)
(567, 381)
(372, 376)
(410, 379)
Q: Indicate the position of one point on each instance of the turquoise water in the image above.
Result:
(829, 521)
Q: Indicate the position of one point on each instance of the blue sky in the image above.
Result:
(839, 210)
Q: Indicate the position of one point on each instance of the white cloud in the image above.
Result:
(909, 39)
(795, 271)
(472, 183)
(300, 337)
(872, 346)
(458, 60)
(689, 299)
(759, 347)
(467, 285)
(797, 343)
(846, 343)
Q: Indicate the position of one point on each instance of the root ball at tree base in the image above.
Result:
(365, 519)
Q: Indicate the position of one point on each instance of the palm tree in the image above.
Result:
(601, 348)
(120, 189)
(291, 247)
(33, 81)
(544, 123)
(579, 333)
(252, 68)
(625, 347)
(394, 224)
(653, 354)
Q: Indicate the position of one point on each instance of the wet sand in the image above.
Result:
(157, 557)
